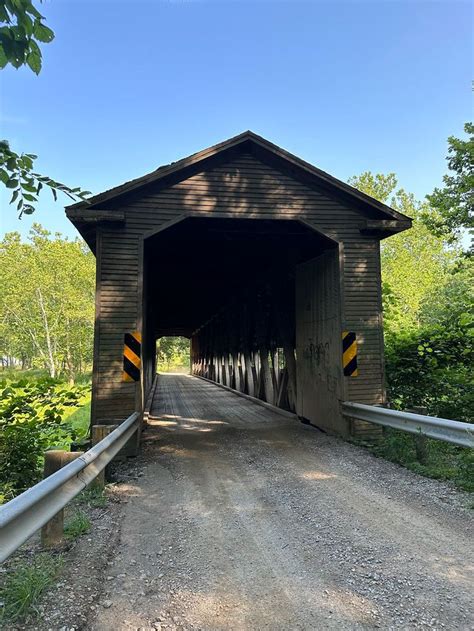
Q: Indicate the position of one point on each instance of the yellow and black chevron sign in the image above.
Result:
(132, 350)
(349, 353)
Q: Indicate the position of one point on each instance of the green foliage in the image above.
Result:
(415, 263)
(431, 365)
(16, 172)
(80, 419)
(24, 584)
(443, 461)
(31, 421)
(453, 303)
(427, 292)
(21, 31)
(173, 354)
(452, 207)
(21, 449)
(379, 186)
(47, 302)
(77, 525)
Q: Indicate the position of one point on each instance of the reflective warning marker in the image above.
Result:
(132, 362)
(349, 353)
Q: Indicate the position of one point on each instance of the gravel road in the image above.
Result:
(245, 519)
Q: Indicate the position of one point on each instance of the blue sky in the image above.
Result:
(348, 86)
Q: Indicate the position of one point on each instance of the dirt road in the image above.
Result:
(245, 519)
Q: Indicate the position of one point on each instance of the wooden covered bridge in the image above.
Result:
(269, 265)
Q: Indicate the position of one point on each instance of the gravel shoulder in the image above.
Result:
(237, 518)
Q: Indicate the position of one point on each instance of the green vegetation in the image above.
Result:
(24, 583)
(22, 30)
(428, 300)
(93, 497)
(452, 207)
(47, 303)
(173, 354)
(35, 416)
(79, 419)
(442, 461)
(77, 525)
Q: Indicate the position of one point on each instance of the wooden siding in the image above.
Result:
(318, 343)
(244, 187)
(118, 310)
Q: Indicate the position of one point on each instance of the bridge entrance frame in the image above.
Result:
(265, 262)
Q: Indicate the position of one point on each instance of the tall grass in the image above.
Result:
(23, 585)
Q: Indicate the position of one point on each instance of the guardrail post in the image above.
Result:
(53, 531)
(98, 433)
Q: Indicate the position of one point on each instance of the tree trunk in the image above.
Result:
(49, 346)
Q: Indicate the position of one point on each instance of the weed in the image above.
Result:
(443, 461)
(25, 583)
(77, 525)
(93, 497)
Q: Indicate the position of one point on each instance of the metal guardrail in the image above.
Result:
(454, 432)
(24, 515)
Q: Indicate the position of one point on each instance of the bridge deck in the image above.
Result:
(188, 403)
(245, 519)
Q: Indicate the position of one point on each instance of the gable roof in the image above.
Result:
(249, 141)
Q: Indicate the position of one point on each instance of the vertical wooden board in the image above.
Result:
(318, 334)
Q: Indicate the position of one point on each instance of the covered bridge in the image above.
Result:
(269, 265)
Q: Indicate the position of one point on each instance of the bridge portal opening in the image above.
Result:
(173, 354)
(232, 286)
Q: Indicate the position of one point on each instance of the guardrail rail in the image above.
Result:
(24, 515)
(455, 432)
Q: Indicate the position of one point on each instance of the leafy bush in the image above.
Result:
(21, 449)
(432, 367)
(31, 421)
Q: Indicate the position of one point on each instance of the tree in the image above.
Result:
(47, 301)
(379, 186)
(173, 353)
(21, 31)
(427, 299)
(415, 263)
(452, 207)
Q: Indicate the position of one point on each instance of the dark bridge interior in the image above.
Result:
(229, 285)
(199, 265)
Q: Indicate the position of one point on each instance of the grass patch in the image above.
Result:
(25, 583)
(80, 419)
(443, 460)
(93, 496)
(77, 525)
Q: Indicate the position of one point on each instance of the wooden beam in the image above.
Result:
(383, 225)
(95, 216)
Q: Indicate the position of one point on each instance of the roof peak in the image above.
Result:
(262, 147)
